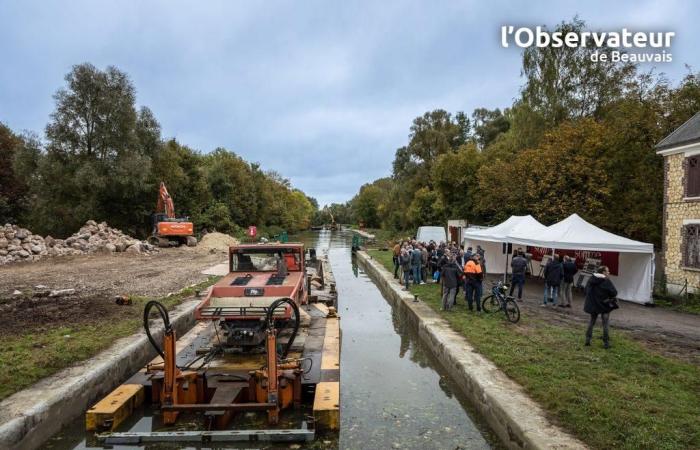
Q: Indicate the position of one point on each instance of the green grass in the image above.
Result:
(27, 358)
(625, 397)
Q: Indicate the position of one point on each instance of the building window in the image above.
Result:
(692, 176)
(691, 245)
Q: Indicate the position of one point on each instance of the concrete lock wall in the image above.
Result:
(29, 417)
(516, 419)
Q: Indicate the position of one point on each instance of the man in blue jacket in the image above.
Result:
(416, 261)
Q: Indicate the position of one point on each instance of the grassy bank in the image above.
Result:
(27, 358)
(625, 397)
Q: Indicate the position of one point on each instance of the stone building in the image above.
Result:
(681, 226)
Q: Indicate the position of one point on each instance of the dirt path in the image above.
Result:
(96, 279)
(669, 332)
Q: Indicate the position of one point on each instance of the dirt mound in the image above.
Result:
(19, 244)
(216, 242)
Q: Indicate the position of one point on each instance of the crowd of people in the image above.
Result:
(447, 263)
(458, 269)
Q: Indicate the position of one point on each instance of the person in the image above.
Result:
(482, 257)
(570, 269)
(519, 266)
(416, 260)
(425, 276)
(450, 280)
(405, 261)
(474, 277)
(397, 253)
(552, 279)
(599, 292)
(468, 254)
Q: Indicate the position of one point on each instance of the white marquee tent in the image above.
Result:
(634, 280)
(492, 239)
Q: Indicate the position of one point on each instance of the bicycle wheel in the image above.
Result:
(491, 304)
(512, 310)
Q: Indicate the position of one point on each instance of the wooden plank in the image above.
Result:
(115, 408)
(327, 406)
(331, 345)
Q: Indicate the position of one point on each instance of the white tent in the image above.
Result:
(492, 239)
(634, 280)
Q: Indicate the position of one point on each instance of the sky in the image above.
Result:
(323, 92)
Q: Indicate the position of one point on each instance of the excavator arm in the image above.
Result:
(165, 202)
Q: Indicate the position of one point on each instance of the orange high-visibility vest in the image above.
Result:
(472, 267)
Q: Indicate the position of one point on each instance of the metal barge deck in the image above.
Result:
(215, 416)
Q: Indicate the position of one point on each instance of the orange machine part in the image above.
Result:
(175, 228)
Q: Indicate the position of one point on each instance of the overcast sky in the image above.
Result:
(321, 91)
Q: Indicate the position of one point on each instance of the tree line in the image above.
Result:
(579, 138)
(103, 158)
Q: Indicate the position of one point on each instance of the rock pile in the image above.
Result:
(19, 244)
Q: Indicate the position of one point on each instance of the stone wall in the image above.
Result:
(676, 210)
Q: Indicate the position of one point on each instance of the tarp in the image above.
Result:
(634, 280)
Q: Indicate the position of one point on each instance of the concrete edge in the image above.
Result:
(515, 418)
(30, 417)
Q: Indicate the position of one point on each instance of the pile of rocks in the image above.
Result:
(19, 244)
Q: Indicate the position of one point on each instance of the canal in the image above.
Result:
(393, 393)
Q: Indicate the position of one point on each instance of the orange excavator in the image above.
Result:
(168, 230)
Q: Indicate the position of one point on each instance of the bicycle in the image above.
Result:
(498, 300)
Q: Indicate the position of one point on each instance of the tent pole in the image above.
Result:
(505, 273)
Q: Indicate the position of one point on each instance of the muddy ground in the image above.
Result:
(665, 331)
(97, 279)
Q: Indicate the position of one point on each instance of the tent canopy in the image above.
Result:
(575, 233)
(500, 233)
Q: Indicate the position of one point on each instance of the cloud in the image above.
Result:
(321, 92)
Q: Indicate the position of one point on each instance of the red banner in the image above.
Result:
(610, 259)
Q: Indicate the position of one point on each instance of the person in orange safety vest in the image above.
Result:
(473, 283)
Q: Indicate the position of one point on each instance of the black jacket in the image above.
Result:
(598, 291)
(450, 274)
(519, 265)
(553, 273)
(570, 270)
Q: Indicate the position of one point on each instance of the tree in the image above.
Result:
(566, 174)
(488, 124)
(426, 208)
(13, 189)
(366, 205)
(98, 157)
(455, 180)
(563, 83)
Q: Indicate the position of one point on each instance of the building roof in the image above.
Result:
(688, 133)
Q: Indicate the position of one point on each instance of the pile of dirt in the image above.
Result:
(216, 243)
(19, 244)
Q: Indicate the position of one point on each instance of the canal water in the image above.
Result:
(393, 392)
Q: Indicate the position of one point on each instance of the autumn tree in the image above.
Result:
(567, 173)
